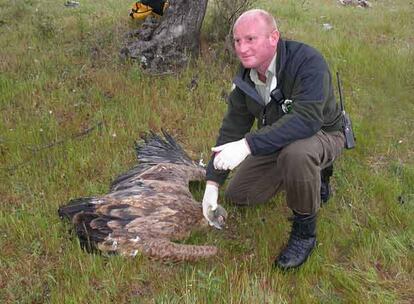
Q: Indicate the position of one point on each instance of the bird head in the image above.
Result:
(217, 217)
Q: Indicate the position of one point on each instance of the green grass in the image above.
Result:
(60, 75)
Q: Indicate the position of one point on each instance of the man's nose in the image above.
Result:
(242, 47)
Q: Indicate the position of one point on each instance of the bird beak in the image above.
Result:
(215, 225)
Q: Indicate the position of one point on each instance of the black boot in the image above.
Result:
(301, 242)
(326, 174)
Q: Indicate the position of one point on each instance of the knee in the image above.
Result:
(292, 154)
(293, 160)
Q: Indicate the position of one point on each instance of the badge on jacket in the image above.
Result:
(287, 106)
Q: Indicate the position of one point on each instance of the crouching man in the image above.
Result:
(287, 87)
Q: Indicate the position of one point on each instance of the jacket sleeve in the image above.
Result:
(310, 91)
(236, 123)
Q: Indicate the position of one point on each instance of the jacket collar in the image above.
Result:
(280, 58)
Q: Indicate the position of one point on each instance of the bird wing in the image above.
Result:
(165, 250)
(160, 158)
(109, 224)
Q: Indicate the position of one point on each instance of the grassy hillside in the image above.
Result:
(70, 111)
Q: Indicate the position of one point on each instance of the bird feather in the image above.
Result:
(147, 208)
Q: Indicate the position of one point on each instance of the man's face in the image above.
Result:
(255, 43)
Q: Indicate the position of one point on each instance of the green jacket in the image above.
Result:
(303, 77)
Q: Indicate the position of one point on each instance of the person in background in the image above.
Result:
(285, 86)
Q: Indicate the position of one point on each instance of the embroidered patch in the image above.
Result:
(287, 106)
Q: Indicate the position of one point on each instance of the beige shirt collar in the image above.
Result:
(264, 89)
(270, 72)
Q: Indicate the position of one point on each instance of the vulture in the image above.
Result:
(147, 208)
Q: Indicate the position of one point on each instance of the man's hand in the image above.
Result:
(210, 200)
(230, 155)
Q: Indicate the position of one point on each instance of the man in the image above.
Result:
(287, 87)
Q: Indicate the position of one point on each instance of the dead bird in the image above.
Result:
(147, 208)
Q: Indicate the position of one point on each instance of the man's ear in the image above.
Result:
(274, 37)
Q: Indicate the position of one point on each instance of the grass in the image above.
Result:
(60, 75)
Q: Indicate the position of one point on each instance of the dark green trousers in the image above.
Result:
(294, 169)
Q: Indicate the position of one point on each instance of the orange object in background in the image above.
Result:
(144, 8)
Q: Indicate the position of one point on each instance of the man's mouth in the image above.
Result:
(245, 58)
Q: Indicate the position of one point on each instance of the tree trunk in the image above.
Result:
(166, 44)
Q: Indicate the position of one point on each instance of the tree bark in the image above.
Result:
(163, 45)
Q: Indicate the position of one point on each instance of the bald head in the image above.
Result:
(258, 14)
(255, 38)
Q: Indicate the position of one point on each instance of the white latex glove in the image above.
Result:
(210, 200)
(230, 155)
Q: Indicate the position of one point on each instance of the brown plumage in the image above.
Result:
(147, 208)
